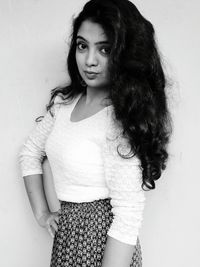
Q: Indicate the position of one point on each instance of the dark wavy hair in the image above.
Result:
(138, 82)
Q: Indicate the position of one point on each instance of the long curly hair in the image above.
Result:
(137, 88)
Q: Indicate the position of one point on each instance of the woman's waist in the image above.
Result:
(80, 193)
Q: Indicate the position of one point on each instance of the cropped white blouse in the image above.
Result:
(86, 166)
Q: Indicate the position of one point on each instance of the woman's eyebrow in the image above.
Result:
(100, 42)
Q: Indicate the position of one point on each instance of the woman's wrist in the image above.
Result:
(49, 220)
(41, 217)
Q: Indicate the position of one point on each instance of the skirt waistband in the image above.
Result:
(98, 201)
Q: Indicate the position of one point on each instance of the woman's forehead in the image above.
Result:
(92, 32)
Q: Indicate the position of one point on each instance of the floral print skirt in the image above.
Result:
(82, 233)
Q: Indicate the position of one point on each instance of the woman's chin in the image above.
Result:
(94, 84)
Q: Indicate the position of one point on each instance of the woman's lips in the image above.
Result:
(91, 75)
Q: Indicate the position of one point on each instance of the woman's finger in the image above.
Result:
(48, 225)
(50, 231)
(54, 225)
(56, 219)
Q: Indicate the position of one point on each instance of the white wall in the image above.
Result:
(33, 41)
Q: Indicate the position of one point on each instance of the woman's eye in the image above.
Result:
(81, 46)
(105, 50)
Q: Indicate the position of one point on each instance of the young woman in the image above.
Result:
(105, 135)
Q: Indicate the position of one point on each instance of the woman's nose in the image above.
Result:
(91, 58)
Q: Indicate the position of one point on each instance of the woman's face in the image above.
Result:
(92, 54)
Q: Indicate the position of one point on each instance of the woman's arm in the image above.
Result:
(31, 158)
(36, 195)
(124, 180)
(35, 191)
(117, 254)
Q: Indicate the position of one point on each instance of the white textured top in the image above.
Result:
(86, 166)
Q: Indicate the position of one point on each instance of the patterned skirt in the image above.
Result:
(82, 233)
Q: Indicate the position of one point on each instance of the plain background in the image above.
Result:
(33, 50)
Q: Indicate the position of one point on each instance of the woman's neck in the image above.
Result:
(95, 95)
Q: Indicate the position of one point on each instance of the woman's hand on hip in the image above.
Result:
(49, 220)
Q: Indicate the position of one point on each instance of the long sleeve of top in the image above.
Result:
(123, 178)
(33, 150)
(86, 165)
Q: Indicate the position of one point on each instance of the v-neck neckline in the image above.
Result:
(87, 118)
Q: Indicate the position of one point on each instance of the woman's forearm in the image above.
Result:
(117, 254)
(36, 195)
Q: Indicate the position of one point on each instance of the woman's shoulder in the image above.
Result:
(55, 104)
(61, 101)
(115, 137)
(61, 98)
(114, 127)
